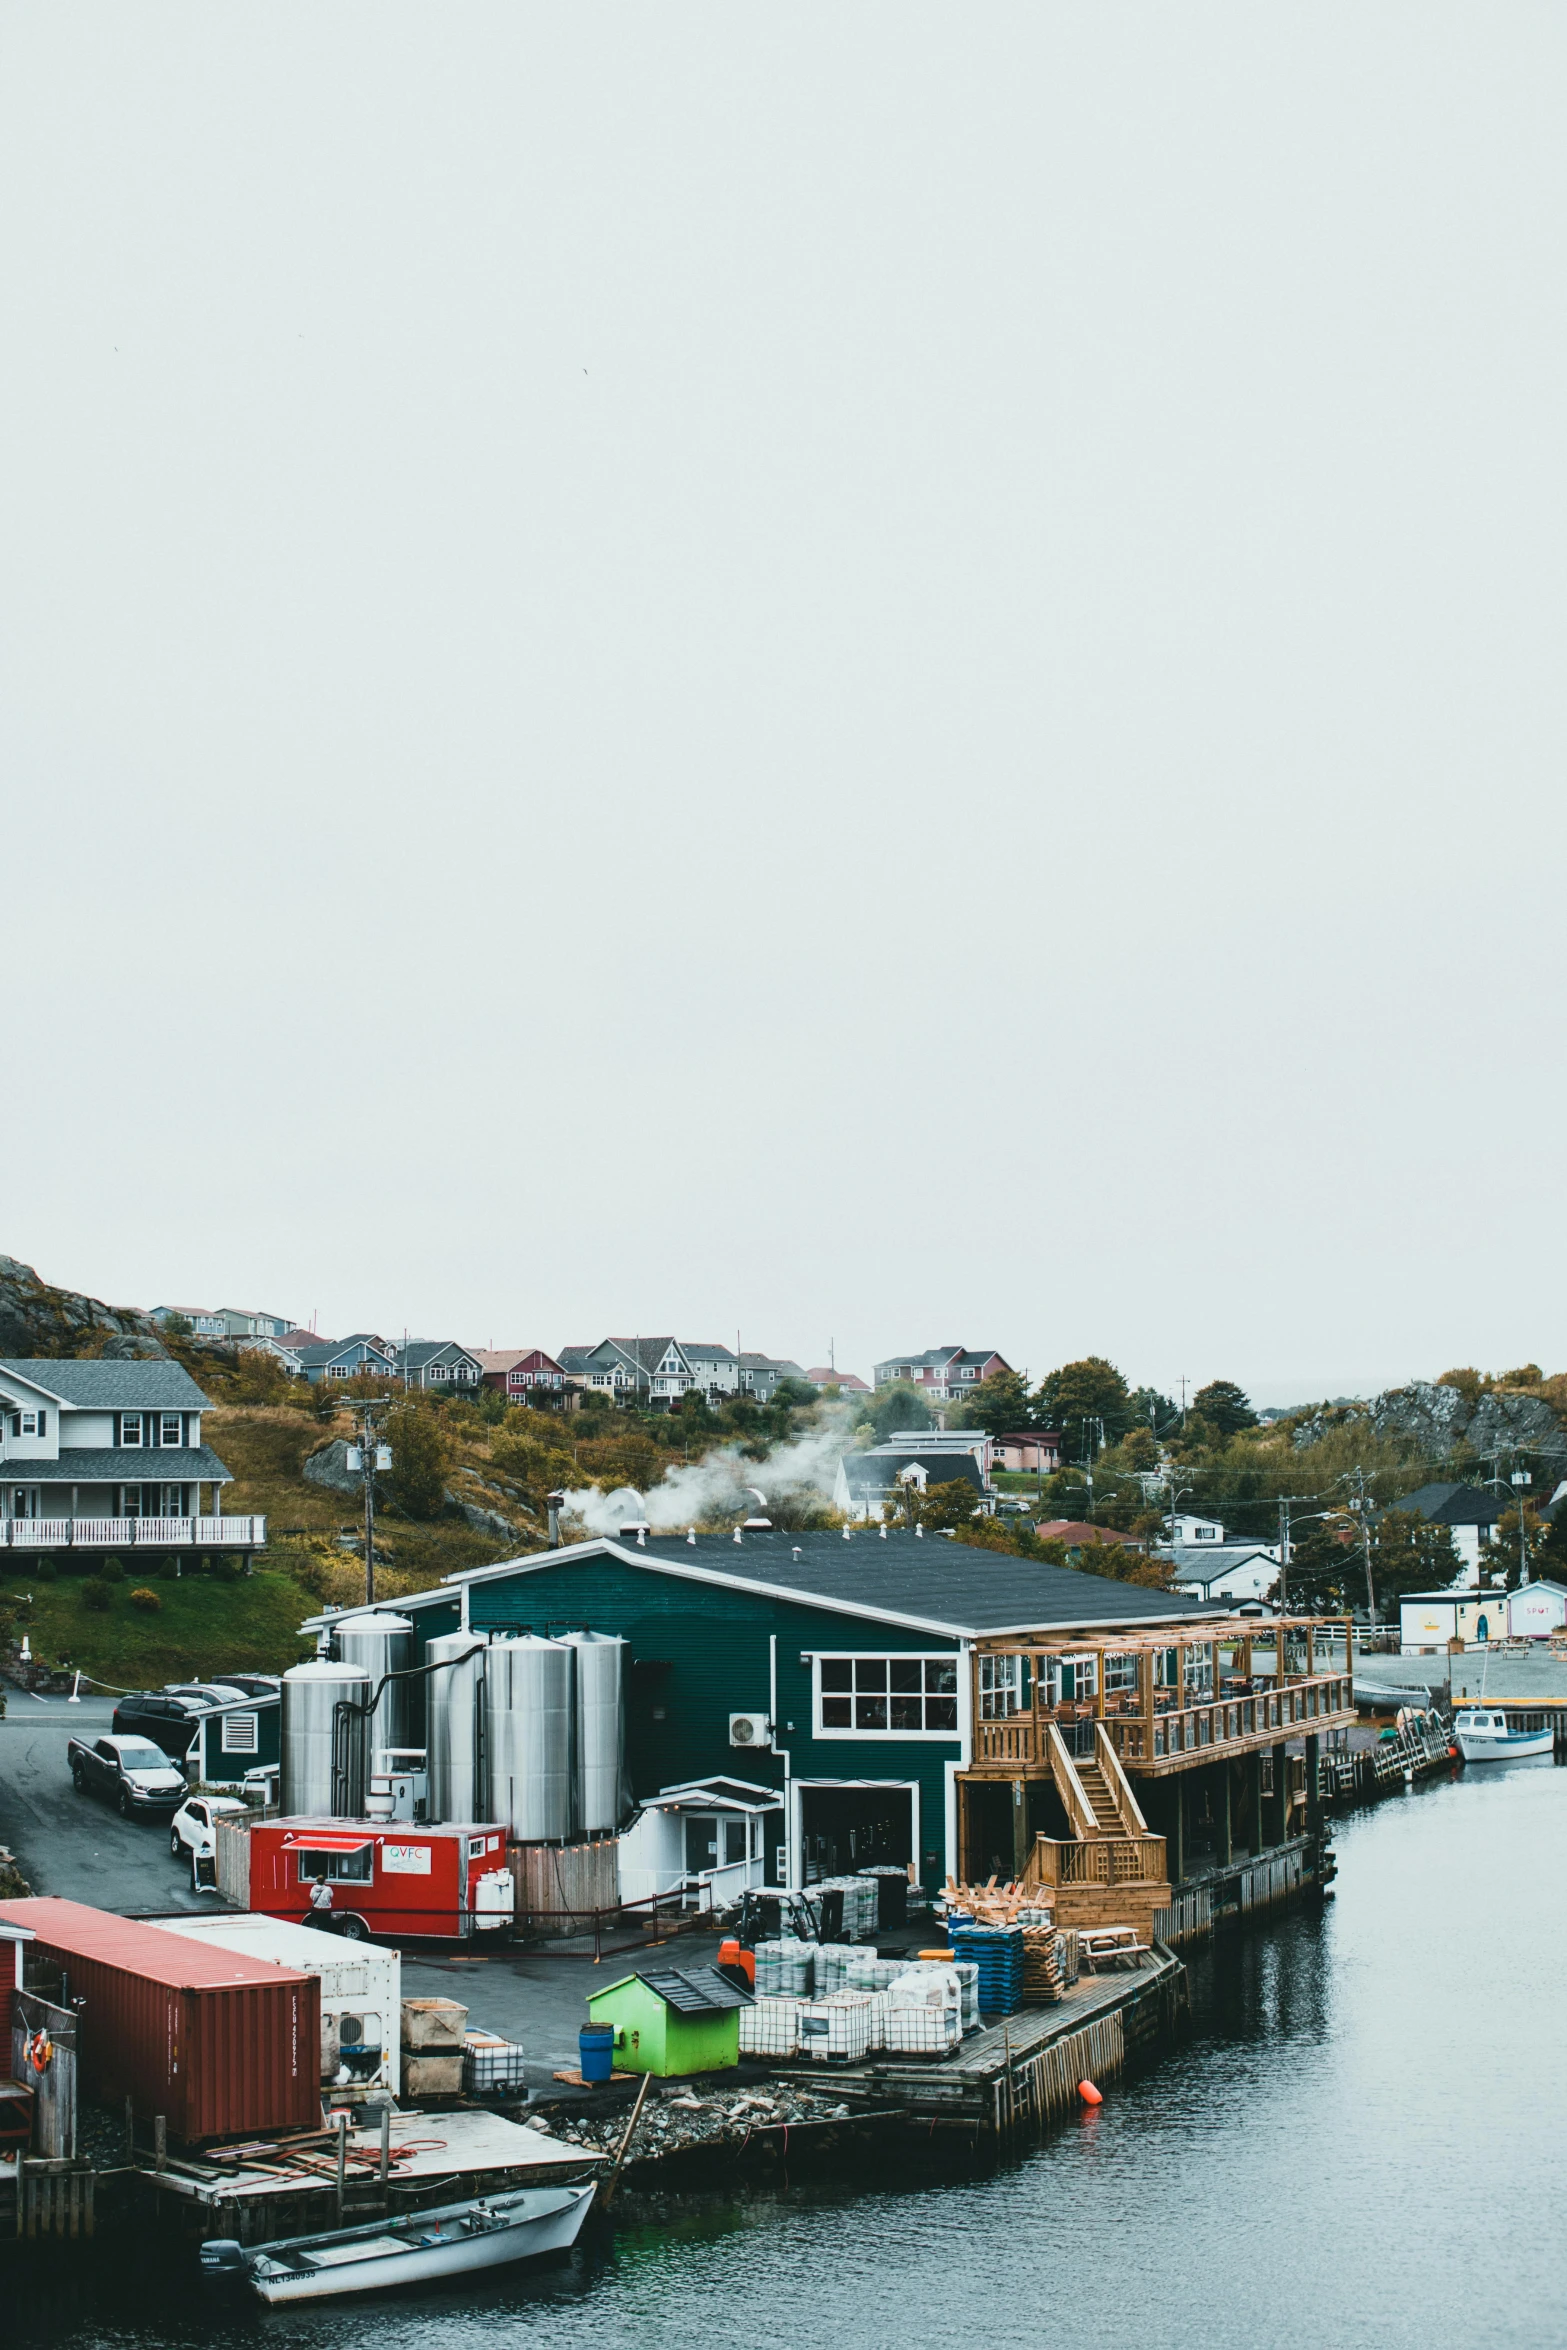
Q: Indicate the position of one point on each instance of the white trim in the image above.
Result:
(910, 1787)
(944, 1656)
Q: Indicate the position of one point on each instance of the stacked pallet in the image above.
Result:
(997, 1905)
(1044, 1966)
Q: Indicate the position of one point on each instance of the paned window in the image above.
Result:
(1199, 1669)
(170, 1431)
(1121, 1671)
(1000, 1687)
(130, 1427)
(907, 1696)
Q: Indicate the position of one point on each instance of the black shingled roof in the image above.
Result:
(926, 1580)
(695, 1990)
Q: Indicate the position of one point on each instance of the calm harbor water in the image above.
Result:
(1362, 2142)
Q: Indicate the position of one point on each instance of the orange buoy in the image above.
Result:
(1088, 2093)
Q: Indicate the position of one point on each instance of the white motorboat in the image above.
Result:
(458, 2240)
(1485, 1735)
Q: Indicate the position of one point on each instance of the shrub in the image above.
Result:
(111, 1572)
(148, 1601)
(44, 1569)
(97, 1595)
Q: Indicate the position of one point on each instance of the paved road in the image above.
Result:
(74, 1844)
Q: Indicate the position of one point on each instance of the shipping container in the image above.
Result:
(220, 2045)
(399, 1878)
(361, 1993)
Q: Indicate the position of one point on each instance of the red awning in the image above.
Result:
(328, 1843)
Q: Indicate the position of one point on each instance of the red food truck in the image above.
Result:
(388, 1878)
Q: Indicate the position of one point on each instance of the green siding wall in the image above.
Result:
(714, 1644)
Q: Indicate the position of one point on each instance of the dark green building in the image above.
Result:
(818, 1688)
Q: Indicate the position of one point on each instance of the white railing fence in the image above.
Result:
(238, 1533)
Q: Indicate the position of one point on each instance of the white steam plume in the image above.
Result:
(721, 1484)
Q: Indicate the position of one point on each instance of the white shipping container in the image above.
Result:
(361, 1992)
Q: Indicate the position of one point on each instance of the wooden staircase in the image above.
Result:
(1112, 1872)
(1101, 1799)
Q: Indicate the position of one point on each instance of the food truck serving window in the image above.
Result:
(335, 1865)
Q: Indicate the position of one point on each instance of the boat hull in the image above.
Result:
(527, 2236)
(1477, 1746)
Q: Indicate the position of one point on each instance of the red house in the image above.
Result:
(518, 1372)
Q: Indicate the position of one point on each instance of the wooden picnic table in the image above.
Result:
(1110, 1946)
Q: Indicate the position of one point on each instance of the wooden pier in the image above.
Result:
(1016, 2074)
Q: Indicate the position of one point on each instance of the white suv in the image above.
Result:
(191, 1830)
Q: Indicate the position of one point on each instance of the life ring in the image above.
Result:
(40, 2048)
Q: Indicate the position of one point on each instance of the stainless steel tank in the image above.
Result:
(452, 1701)
(530, 1688)
(323, 1773)
(601, 1730)
(381, 1644)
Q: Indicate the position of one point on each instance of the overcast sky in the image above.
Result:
(876, 674)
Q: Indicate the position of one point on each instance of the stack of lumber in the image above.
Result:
(1049, 1965)
(995, 1904)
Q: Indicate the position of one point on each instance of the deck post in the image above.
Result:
(1019, 1828)
(1258, 1840)
(1313, 1790)
(1226, 1824)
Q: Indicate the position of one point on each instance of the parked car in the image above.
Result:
(170, 1722)
(205, 1692)
(191, 1830)
(252, 1684)
(137, 1773)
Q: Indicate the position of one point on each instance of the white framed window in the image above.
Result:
(437, 1370)
(1203, 1533)
(130, 1428)
(240, 1734)
(1000, 1687)
(170, 1429)
(1199, 1669)
(1121, 1671)
(886, 1696)
(171, 1501)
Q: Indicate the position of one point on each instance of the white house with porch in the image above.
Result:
(108, 1455)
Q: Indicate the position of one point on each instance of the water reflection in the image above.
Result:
(1358, 2144)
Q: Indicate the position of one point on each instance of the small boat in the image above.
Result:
(1485, 1737)
(457, 2240)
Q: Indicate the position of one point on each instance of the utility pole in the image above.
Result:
(368, 1455)
(1359, 1504)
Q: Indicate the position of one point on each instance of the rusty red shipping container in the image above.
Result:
(220, 2045)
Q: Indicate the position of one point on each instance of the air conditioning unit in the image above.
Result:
(750, 1730)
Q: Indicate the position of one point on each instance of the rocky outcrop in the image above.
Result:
(38, 1320)
(1440, 1419)
(329, 1467)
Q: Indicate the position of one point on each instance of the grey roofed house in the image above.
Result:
(102, 1442)
(148, 1386)
(712, 1364)
(438, 1362)
(865, 1479)
(762, 1375)
(341, 1358)
(652, 1367)
(1453, 1505)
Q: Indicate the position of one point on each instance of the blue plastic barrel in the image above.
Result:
(596, 2043)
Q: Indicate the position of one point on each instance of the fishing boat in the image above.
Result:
(1485, 1736)
(455, 2241)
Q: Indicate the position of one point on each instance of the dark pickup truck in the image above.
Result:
(136, 1773)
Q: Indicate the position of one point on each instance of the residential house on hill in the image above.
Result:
(1028, 1451)
(1213, 1564)
(823, 1376)
(226, 1321)
(653, 1372)
(345, 1358)
(713, 1367)
(943, 1374)
(523, 1374)
(438, 1363)
(1469, 1513)
(761, 1376)
(106, 1455)
(868, 1483)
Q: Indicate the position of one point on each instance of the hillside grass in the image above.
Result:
(204, 1627)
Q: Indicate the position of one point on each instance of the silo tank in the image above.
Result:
(452, 1702)
(381, 1644)
(323, 1773)
(601, 1730)
(529, 1709)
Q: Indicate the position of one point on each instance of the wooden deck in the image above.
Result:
(1024, 2069)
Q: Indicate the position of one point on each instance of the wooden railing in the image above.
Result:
(1103, 1860)
(238, 1533)
(1011, 1741)
(1127, 1808)
(1225, 1721)
(1081, 1816)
